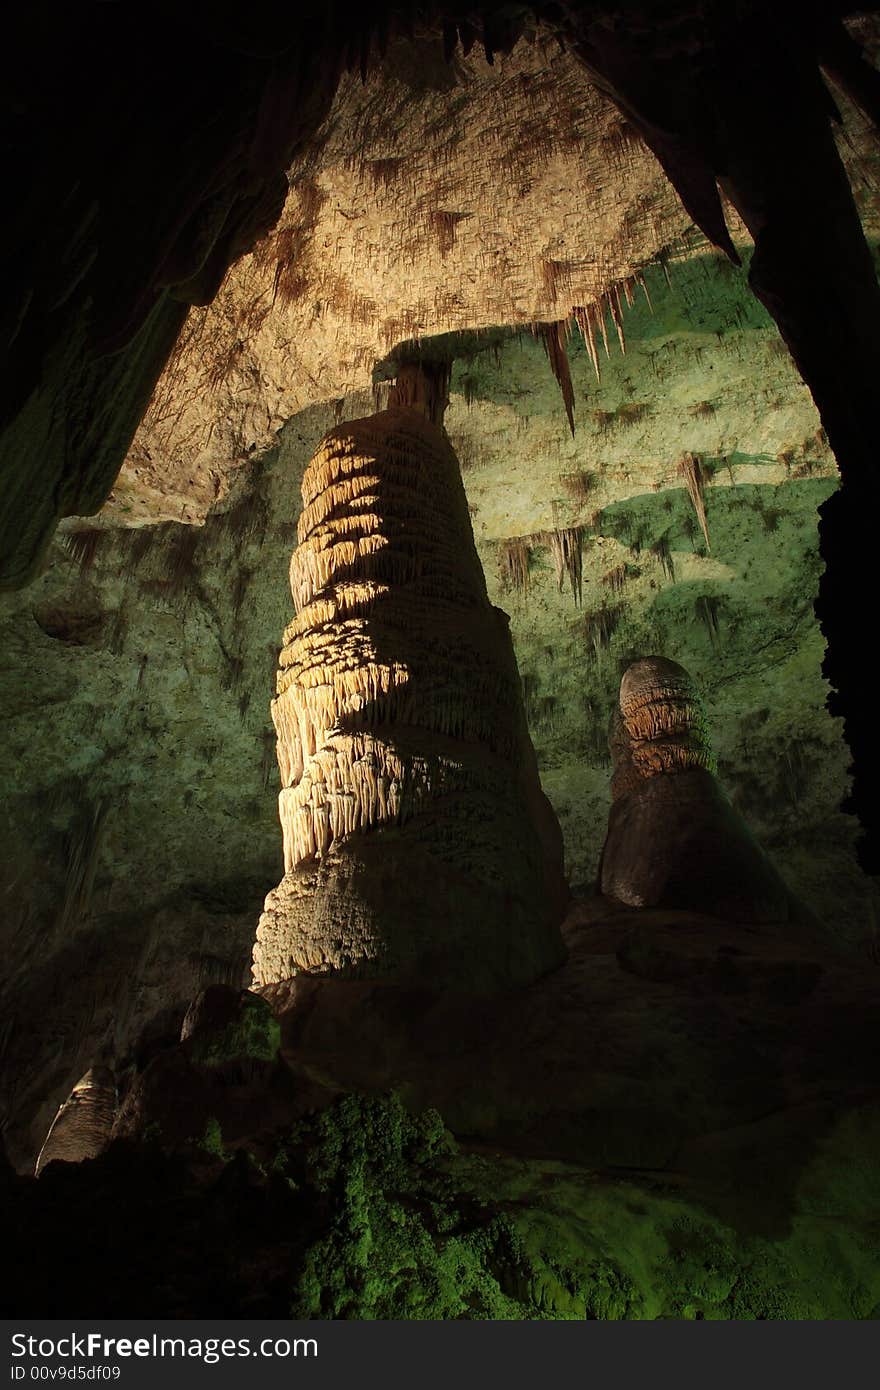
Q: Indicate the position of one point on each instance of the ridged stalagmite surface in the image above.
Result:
(659, 725)
(81, 1129)
(417, 841)
(674, 840)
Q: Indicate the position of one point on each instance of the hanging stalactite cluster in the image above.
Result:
(591, 320)
(566, 544)
(398, 715)
(515, 557)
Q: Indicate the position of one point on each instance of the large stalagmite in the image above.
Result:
(674, 840)
(417, 841)
(81, 1128)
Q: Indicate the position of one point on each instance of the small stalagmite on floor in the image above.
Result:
(674, 840)
(417, 842)
(81, 1129)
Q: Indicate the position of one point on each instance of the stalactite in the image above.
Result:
(580, 485)
(515, 556)
(599, 311)
(552, 272)
(591, 318)
(615, 579)
(401, 741)
(444, 225)
(137, 543)
(662, 551)
(566, 545)
(470, 388)
(584, 320)
(601, 625)
(691, 469)
(707, 608)
(630, 412)
(552, 336)
(603, 419)
(614, 307)
(84, 546)
(118, 630)
(246, 521)
(180, 565)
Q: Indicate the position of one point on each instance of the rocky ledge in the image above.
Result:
(683, 1121)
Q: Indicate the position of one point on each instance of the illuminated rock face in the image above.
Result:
(417, 841)
(81, 1129)
(674, 840)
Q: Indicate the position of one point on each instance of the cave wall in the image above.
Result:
(140, 821)
(704, 372)
(140, 782)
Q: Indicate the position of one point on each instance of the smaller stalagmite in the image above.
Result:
(417, 841)
(674, 840)
(81, 1129)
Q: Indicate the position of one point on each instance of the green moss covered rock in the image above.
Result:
(415, 1227)
(226, 1025)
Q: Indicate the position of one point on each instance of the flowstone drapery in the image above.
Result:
(417, 841)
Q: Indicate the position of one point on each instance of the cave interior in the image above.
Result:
(441, 855)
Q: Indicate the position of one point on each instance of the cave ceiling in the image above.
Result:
(468, 170)
(436, 198)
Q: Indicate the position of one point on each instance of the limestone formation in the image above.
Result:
(417, 841)
(82, 1127)
(674, 840)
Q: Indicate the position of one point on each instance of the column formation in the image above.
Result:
(417, 841)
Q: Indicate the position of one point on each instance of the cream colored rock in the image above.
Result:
(417, 841)
(82, 1127)
(435, 198)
